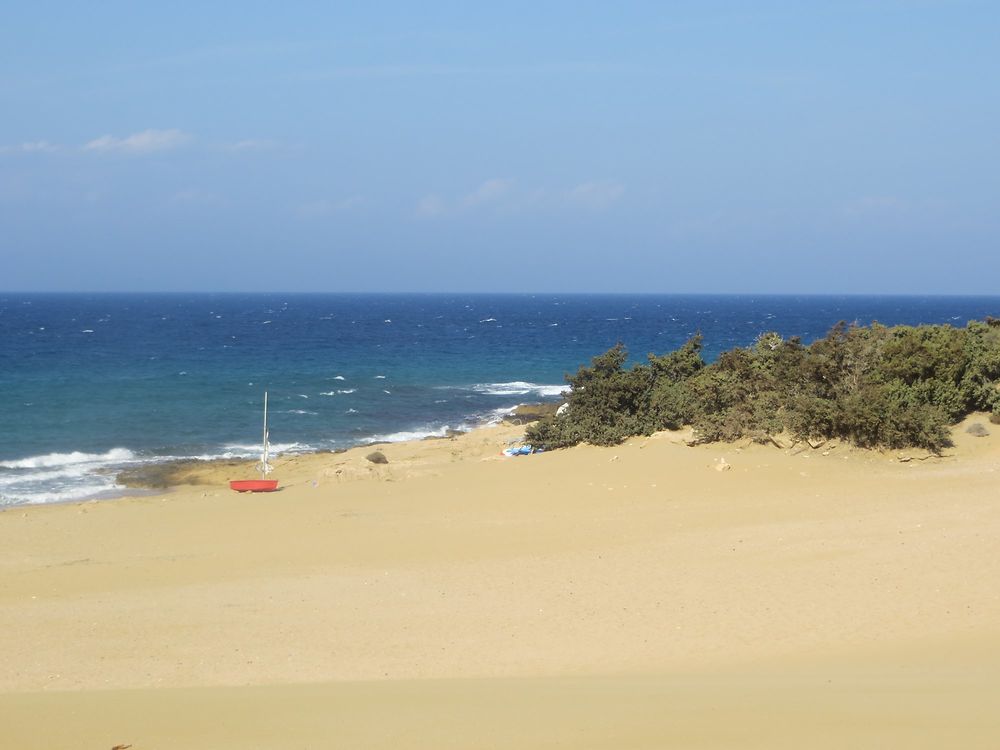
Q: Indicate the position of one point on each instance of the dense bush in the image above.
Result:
(874, 386)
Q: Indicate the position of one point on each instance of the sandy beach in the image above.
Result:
(637, 596)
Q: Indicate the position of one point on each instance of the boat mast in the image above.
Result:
(263, 458)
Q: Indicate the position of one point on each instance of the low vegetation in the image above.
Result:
(874, 386)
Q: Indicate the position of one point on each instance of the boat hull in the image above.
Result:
(254, 485)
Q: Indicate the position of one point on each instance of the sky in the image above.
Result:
(757, 147)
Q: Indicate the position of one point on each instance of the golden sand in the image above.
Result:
(629, 597)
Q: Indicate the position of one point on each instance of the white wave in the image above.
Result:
(347, 390)
(385, 391)
(61, 477)
(301, 411)
(115, 455)
(380, 377)
(328, 393)
(71, 471)
(488, 320)
(497, 415)
(239, 450)
(519, 388)
(37, 496)
(87, 330)
(339, 377)
(351, 411)
(405, 435)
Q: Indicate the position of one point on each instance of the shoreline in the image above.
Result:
(172, 473)
(788, 591)
(162, 474)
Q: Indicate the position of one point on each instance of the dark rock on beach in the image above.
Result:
(171, 473)
(526, 413)
(449, 434)
(377, 457)
(977, 429)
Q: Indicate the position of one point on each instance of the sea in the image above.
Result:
(94, 383)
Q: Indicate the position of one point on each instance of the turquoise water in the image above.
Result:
(94, 382)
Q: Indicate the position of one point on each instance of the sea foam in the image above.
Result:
(416, 434)
(239, 450)
(520, 388)
(115, 455)
(60, 477)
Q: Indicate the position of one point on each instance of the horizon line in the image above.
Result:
(491, 293)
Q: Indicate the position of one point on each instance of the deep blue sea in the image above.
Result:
(92, 382)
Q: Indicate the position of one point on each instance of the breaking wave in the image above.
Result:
(520, 388)
(115, 455)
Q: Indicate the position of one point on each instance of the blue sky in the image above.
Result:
(762, 147)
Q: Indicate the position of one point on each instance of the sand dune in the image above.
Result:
(628, 597)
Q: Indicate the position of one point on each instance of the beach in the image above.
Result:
(654, 594)
(607, 377)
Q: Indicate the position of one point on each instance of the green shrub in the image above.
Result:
(607, 402)
(874, 386)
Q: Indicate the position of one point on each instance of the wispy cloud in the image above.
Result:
(492, 191)
(432, 206)
(30, 147)
(149, 141)
(145, 142)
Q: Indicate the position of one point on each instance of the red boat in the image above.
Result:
(254, 485)
(262, 484)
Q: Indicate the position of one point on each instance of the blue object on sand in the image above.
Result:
(522, 450)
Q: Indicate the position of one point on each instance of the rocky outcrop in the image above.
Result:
(526, 413)
(173, 473)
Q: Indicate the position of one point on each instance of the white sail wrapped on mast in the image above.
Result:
(263, 466)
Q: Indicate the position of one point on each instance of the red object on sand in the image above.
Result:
(254, 485)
